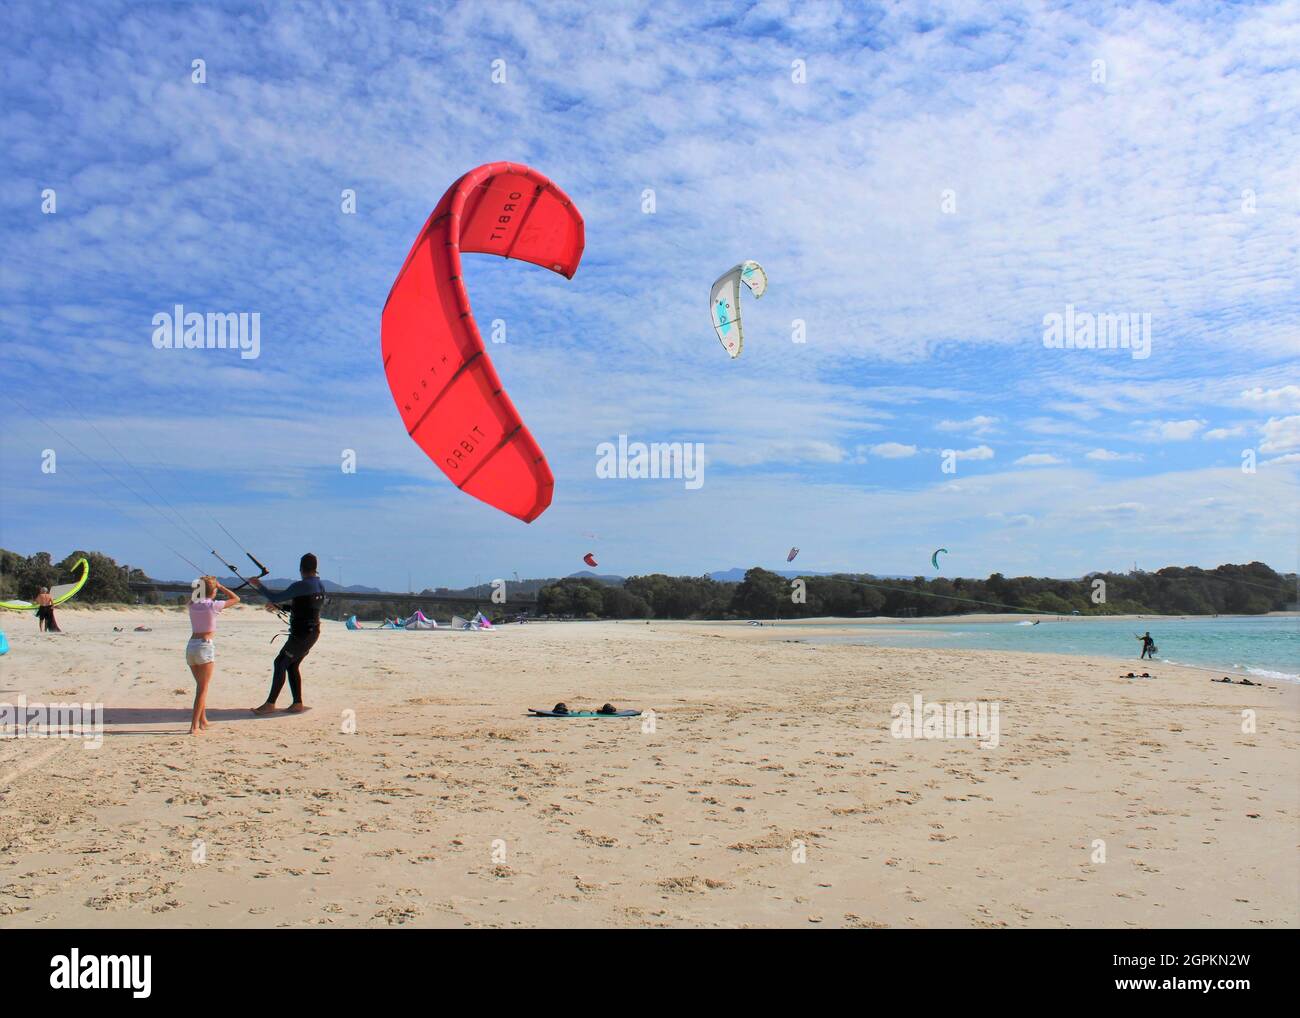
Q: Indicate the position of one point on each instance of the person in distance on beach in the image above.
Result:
(45, 612)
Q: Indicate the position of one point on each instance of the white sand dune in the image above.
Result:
(448, 806)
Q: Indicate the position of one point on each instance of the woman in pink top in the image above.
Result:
(200, 654)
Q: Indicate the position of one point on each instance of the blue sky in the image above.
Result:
(944, 177)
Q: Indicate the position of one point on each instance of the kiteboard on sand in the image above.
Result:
(584, 714)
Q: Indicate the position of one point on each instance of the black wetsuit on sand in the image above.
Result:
(305, 598)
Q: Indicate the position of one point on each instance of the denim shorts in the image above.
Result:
(200, 652)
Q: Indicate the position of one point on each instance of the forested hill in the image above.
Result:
(1252, 589)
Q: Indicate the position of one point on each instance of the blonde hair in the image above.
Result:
(209, 586)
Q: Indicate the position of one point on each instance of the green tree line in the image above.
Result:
(1251, 589)
(1226, 590)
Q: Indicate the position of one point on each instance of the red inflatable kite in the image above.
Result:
(590, 559)
(443, 383)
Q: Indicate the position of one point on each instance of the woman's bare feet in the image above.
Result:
(297, 708)
(266, 708)
(193, 730)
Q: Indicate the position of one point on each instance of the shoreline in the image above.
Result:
(976, 617)
(831, 631)
(840, 629)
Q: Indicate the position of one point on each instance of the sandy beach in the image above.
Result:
(770, 792)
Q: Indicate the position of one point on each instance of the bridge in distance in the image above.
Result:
(514, 603)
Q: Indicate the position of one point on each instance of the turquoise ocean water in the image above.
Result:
(1259, 647)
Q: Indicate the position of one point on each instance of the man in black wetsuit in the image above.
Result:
(305, 598)
(1148, 646)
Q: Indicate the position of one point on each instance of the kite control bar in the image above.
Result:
(264, 570)
(246, 581)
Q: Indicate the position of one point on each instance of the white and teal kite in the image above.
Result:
(724, 303)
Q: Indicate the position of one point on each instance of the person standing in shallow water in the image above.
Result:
(304, 597)
(1148, 646)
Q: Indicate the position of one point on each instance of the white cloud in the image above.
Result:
(1214, 434)
(979, 426)
(1050, 426)
(1083, 411)
(1109, 456)
(1119, 508)
(1291, 457)
(1172, 431)
(980, 452)
(1287, 397)
(1038, 459)
(773, 451)
(1280, 434)
(1011, 519)
(1180, 431)
(893, 450)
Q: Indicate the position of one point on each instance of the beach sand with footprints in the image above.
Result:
(770, 791)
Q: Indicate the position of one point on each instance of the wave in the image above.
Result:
(1265, 673)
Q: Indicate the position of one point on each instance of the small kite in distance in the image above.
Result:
(590, 559)
(793, 553)
(934, 559)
